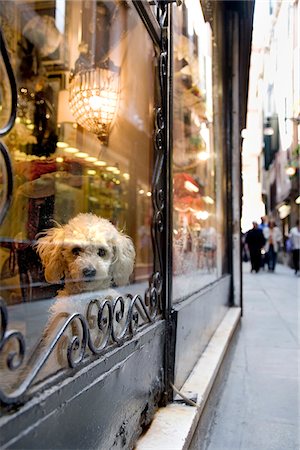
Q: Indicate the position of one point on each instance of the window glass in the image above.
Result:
(82, 149)
(196, 224)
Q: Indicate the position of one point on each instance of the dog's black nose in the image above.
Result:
(89, 272)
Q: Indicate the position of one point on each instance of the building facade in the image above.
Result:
(129, 111)
(282, 106)
(276, 115)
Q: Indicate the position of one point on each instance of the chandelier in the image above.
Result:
(93, 98)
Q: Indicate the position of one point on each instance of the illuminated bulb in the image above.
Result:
(190, 186)
(71, 150)
(81, 155)
(91, 172)
(95, 102)
(203, 215)
(91, 159)
(100, 163)
(290, 171)
(208, 200)
(126, 176)
(59, 159)
(148, 194)
(61, 144)
(203, 156)
(111, 168)
(141, 191)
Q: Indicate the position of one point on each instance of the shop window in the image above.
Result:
(82, 147)
(196, 213)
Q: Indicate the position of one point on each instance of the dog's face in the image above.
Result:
(88, 263)
(88, 253)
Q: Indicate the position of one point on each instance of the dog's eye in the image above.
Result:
(101, 252)
(76, 251)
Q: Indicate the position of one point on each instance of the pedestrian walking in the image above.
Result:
(263, 224)
(255, 241)
(273, 237)
(294, 237)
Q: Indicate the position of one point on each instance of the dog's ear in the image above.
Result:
(48, 248)
(123, 264)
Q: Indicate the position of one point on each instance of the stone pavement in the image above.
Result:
(255, 404)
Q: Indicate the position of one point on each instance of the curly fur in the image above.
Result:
(88, 253)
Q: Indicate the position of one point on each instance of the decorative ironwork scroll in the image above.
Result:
(161, 6)
(72, 337)
(5, 129)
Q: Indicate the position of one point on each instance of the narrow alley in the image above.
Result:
(256, 400)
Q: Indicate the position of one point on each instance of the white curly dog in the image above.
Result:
(88, 254)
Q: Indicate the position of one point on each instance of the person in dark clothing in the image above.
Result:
(255, 241)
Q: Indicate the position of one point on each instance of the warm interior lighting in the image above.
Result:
(71, 150)
(93, 98)
(208, 200)
(81, 155)
(141, 191)
(126, 176)
(111, 169)
(203, 215)
(91, 172)
(148, 194)
(190, 186)
(91, 159)
(290, 171)
(203, 156)
(59, 159)
(60, 144)
(100, 163)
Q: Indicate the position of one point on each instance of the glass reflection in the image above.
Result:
(195, 233)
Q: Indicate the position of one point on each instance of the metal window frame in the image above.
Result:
(148, 308)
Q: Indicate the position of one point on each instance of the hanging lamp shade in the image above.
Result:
(93, 98)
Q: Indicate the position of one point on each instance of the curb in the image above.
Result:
(174, 425)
